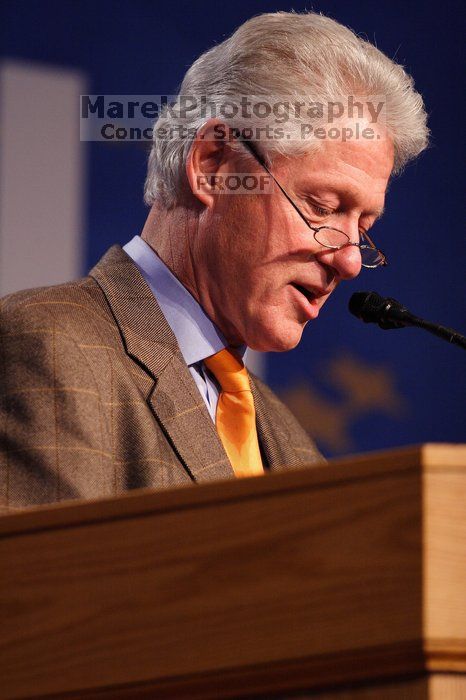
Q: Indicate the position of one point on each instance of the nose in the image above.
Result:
(346, 261)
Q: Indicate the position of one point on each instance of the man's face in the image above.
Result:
(254, 251)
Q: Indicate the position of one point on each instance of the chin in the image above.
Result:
(275, 339)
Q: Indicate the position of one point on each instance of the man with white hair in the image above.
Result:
(134, 376)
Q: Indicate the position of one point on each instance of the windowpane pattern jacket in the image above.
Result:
(96, 399)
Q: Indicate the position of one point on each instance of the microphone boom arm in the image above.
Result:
(388, 313)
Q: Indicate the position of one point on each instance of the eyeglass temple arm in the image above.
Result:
(262, 162)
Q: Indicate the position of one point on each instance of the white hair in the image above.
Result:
(293, 55)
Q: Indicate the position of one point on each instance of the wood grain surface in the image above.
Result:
(350, 572)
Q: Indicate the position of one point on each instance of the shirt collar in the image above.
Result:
(198, 337)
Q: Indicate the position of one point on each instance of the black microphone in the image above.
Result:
(388, 313)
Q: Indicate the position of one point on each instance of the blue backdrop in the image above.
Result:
(356, 387)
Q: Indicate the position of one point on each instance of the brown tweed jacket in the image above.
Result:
(96, 399)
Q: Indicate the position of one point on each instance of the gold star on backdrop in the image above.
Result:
(363, 388)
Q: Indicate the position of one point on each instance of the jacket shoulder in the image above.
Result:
(78, 308)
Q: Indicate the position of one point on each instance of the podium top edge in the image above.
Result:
(425, 458)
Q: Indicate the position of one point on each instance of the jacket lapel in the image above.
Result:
(275, 440)
(177, 403)
(149, 340)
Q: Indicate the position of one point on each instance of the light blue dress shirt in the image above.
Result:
(198, 337)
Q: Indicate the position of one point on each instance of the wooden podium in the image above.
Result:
(342, 581)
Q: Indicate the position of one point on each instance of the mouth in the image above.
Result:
(310, 299)
(311, 294)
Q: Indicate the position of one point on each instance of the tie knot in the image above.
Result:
(228, 370)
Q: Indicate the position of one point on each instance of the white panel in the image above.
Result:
(41, 176)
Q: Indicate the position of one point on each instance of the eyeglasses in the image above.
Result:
(327, 236)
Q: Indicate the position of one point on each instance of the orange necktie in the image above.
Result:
(236, 416)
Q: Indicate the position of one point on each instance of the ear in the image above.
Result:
(209, 154)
